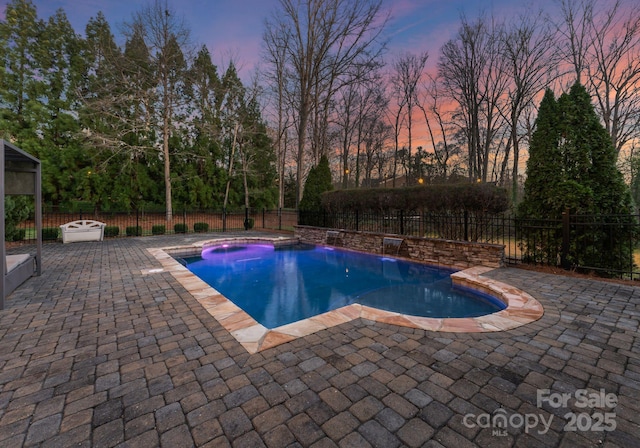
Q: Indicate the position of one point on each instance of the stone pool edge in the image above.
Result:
(521, 309)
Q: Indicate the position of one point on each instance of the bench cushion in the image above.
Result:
(13, 261)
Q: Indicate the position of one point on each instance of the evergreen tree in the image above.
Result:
(543, 166)
(118, 111)
(66, 165)
(16, 210)
(101, 81)
(258, 159)
(572, 166)
(318, 181)
(114, 125)
(611, 195)
(201, 180)
(21, 84)
(232, 132)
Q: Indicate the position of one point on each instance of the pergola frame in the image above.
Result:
(21, 175)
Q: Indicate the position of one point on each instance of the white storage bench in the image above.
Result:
(84, 230)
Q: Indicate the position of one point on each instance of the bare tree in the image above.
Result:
(614, 70)
(346, 122)
(602, 47)
(435, 109)
(378, 153)
(576, 15)
(493, 87)
(323, 40)
(372, 100)
(354, 103)
(459, 68)
(397, 129)
(473, 75)
(528, 53)
(275, 53)
(408, 71)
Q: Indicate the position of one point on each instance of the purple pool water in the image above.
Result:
(277, 286)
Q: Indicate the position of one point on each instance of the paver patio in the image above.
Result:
(93, 353)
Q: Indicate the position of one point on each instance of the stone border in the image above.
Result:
(254, 337)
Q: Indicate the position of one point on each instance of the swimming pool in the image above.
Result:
(284, 284)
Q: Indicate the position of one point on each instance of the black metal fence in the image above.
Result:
(145, 223)
(607, 245)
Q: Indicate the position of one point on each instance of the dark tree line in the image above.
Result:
(150, 123)
(153, 122)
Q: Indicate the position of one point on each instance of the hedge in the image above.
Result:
(474, 197)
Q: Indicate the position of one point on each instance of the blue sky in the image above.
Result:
(233, 28)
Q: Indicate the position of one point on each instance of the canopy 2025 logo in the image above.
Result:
(597, 415)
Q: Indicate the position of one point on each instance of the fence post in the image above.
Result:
(280, 218)
(138, 222)
(357, 219)
(224, 219)
(263, 216)
(566, 236)
(246, 219)
(401, 219)
(466, 225)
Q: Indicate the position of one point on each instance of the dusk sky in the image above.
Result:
(233, 28)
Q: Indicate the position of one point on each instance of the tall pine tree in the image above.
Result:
(543, 167)
(21, 84)
(572, 166)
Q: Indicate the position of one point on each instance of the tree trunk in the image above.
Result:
(233, 151)
(167, 170)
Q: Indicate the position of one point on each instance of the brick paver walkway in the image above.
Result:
(93, 353)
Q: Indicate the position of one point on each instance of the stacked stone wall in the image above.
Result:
(455, 254)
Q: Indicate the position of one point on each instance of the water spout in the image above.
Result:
(332, 237)
(391, 245)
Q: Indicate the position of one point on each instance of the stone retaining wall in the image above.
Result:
(455, 254)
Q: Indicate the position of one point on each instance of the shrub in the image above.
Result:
(110, 231)
(249, 223)
(469, 197)
(158, 229)
(16, 210)
(180, 228)
(18, 235)
(134, 231)
(200, 227)
(50, 233)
